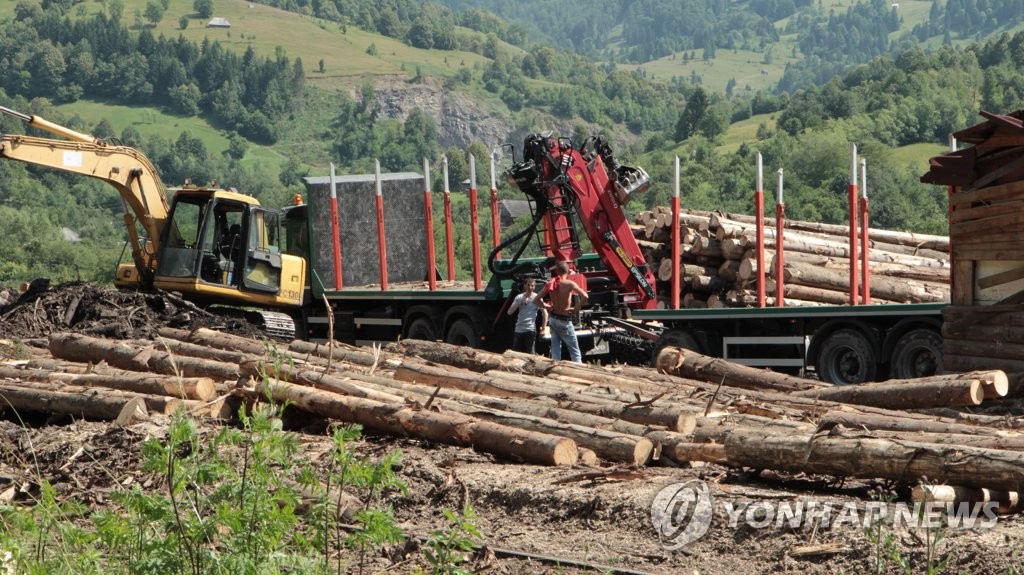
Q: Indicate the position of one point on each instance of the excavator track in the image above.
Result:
(277, 325)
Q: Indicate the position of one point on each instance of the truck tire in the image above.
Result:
(846, 357)
(462, 332)
(918, 353)
(422, 328)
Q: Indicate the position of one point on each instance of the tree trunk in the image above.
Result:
(690, 364)
(66, 400)
(877, 458)
(877, 422)
(905, 394)
(77, 347)
(883, 287)
(461, 356)
(202, 388)
(448, 428)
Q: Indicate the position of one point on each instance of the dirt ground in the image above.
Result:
(534, 519)
(592, 525)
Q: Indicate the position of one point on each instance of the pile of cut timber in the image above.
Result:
(529, 408)
(719, 261)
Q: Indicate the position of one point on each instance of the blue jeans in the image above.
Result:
(563, 332)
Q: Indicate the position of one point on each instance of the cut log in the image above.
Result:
(878, 268)
(877, 458)
(319, 380)
(906, 394)
(1007, 501)
(202, 388)
(690, 364)
(594, 412)
(610, 445)
(1009, 442)
(88, 404)
(897, 423)
(341, 352)
(449, 428)
(461, 356)
(76, 347)
(933, 242)
(221, 340)
(885, 288)
(587, 457)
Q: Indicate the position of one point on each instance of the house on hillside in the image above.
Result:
(218, 23)
(509, 210)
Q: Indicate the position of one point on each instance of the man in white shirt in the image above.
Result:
(526, 324)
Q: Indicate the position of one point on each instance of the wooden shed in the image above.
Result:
(984, 326)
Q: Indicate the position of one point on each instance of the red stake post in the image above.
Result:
(495, 227)
(780, 263)
(448, 241)
(428, 216)
(675, 238)
(949, 215)
(759, 221)
(382, 242)
(474, 224)
(853, 226)
(865, 237)
(335, 230)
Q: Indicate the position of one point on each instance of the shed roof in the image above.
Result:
(996, 141)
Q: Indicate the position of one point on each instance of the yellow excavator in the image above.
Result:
(214, 246)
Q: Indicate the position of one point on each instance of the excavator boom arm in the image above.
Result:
(123, 167)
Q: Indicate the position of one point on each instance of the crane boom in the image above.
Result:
(126, 169)
(589, 185)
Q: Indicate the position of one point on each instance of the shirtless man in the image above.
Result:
(561, 309)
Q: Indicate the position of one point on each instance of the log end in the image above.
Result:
(565, 452)
(205, 389)
(669, 359)
(686, 422)
(976, 393)
(587, 457)
(643, 451)
(996, 384)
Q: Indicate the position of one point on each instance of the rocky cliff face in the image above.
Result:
(459, 120)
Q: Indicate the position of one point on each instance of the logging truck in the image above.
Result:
(392, 289)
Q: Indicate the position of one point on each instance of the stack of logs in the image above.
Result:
(719, 261)
(521, 407)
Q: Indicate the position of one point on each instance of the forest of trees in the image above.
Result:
(47, 53)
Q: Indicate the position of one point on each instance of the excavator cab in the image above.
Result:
(222, 247)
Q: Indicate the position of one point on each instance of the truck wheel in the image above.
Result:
(421, 328)
(846, 357)
(917, 354)
(462, 332)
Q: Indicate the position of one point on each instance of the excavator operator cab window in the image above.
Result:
(222, 243)
(182, 242)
